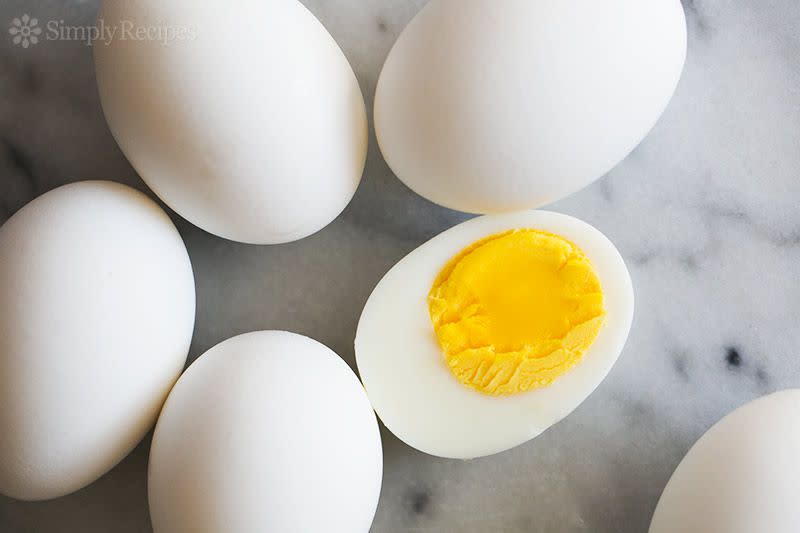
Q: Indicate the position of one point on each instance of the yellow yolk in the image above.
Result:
(515, 311)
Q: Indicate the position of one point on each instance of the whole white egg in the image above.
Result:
(742, 476)
(487, 106)
(244, 117)
(97, 307)
(407, 378)
(267, 431)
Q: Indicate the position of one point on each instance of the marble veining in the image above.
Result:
(705, 212)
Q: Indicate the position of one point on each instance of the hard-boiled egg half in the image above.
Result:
(493, 331)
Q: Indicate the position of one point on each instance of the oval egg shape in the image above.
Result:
(742, 476)
(408, 380)
(245, 117)
(97, 308)
(488, 107)
(267, 431)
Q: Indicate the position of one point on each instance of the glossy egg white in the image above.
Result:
(490, 106)
(267, 431)
(97, 307)
(742, 476)
(404, 371)
(249, 122)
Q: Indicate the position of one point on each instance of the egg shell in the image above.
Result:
(404, 371)
(97, 309)
(742, 476)
(251, 125)
(487, 107)
(268, 431)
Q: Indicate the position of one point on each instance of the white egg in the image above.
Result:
(743, 476)
(249, 123)
(411, 387)
(268, 431)
(97, 308)
(487, 106)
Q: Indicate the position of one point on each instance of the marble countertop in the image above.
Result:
(706, 212)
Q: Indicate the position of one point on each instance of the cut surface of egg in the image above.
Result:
(516, 310)
(742, 476)
(490, 106)
(246, 118)
(267, 431)
(493, 331)
(97, 306)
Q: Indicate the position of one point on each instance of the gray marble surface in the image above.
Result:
(706, 212)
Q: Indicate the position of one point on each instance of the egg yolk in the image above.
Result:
(515, 311)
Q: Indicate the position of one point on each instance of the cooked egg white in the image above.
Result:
(97, 308)
(493, 107)
(266, 432)
(252, 128)
(742, 476)
(490, 333)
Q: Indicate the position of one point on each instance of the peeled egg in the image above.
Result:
(493, 331)
(268, 431)
(488, 107)
(742, 476)
(97, 308)
(244, 117)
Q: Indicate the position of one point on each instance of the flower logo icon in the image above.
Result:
(25, 30)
